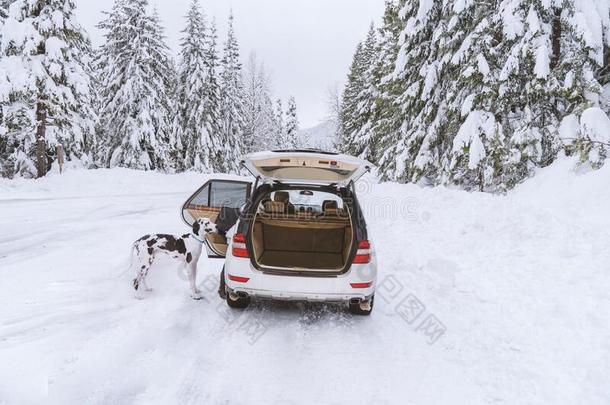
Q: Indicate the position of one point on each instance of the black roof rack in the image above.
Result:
(306, 150)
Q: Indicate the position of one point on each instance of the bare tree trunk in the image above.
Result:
(59, 152)
(41, 145)
(556, 38)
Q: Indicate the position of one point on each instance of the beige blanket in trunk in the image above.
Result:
(308, 244)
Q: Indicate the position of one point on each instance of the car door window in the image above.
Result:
(228, 194)
(202, 197)
(212, 197)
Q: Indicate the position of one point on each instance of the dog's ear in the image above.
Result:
(196, 227)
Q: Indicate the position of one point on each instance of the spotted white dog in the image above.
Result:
(186, 248)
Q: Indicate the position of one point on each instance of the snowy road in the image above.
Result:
(482, 299)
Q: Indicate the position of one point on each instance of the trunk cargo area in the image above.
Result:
(302, 242)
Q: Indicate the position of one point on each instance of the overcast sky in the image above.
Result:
(306, 44)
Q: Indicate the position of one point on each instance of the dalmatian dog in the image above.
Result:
(186, 248)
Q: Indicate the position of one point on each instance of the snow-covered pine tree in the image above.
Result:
(258, 107)
(101, 59)
(196, 130)
(4, 8)
(415, 79)
(4, 5)
(464, 142)
(212, 95)
(349, 99)
(360, 141)
(593, 20)
(545, 73)
(279, 126)
(588, 137)
(136, 89)
(385, 111)
(166, 68)
(591, 139)
(292, 140)
(400, 79)
(231, 106)
(46, 92)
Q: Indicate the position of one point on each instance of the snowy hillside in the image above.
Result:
(517, 285)
(322, 136)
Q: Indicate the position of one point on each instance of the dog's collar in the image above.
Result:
(196, 238)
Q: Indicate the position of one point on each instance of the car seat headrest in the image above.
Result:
(330, 204)
(281, 196)
(274, 207)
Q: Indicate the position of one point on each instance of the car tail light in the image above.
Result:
(239, 246)
(238, 279)
(364, 244)
(361, 285)
(363, 256)
(239, 238)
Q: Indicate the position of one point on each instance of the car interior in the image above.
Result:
(312, 231)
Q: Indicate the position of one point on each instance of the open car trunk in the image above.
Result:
(306, 166)
(302, 241)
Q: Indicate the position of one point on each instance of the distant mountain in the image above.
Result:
(322, 136)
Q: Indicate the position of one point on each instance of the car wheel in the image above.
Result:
(237, 302)
(222, 288)
(364, 308)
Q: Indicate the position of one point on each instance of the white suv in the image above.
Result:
(300, 233)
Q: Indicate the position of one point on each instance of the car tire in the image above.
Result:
(239, 303)
(222, 287)
(356, 309)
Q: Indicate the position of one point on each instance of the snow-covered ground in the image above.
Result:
(509, 301)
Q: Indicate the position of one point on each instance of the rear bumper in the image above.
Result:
(300, 288)
(300, 296)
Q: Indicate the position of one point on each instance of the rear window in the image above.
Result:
(314, 201)
(306, 201)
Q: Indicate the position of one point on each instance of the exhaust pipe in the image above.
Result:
(364, 305)
(235, 295)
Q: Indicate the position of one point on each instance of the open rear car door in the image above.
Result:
(209, 201)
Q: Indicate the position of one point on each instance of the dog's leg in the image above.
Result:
(195, 293)
(145, 260)
(138, 281)
(196, 254)
(138, 275)
(145, 273)
(194, 265)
